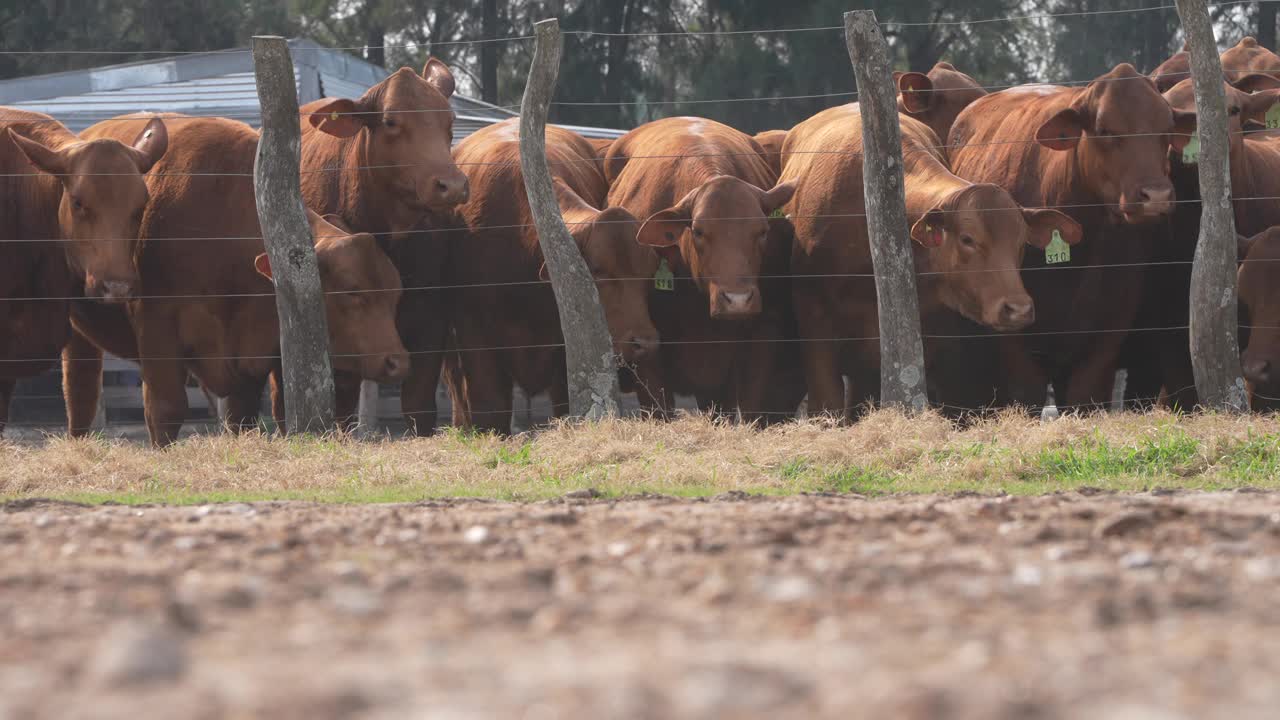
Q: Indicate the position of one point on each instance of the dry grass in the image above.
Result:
(885, 453)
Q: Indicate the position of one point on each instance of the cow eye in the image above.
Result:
(967, 241)
(389, 121)
(76, 204)
(1234, 111)
(697, 232)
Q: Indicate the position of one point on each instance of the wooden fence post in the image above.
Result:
(902, 381)
(304, 334)
(592, 369)
(1215, 354)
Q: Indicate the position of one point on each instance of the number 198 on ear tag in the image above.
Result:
(1057, 251)
(1273, 117)
(664, 279)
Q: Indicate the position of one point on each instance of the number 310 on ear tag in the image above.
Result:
(1057, 251)
(664, 279)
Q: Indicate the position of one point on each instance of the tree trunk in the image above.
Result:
(619, 21)
(375, 38)
(489, 52)
(1267, 25)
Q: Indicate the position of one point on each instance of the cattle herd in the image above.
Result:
(1052, 231)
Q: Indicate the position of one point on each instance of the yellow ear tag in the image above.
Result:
(779, 214)
(333, 115)
(1273, 117)
(1057, 251)
(1191, 153)
(664, 279)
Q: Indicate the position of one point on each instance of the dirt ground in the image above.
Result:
(1146, 607)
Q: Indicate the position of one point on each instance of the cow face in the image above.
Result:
(1260, 312)
(1246, 104)
(362, 289)
(722, 230)
(976, 238)
(104, 196)
(623, 270)
(1247, 58)
(406, 125)
(1120, 130)
(1173, 71)
(938, 98)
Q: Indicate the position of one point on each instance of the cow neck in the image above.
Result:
(1255, 172)
(578, 220)
(35, 205)
(362, 200)
(929, 184)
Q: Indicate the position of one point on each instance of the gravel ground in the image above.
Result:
(1071, 606)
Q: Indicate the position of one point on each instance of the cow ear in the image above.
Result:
(568, 199)
(664, 228)
(40, 156)
(322, 229)
(1184, 127)
(942, 65)
(1043, 223)
(338, 222)
(775, 198)
(263, 265)
(150, 145)
(439, 76)
(543, 274)
(1253, 82)
(1258, 103)
(929, 230)
(917, 92)
(340, 118)
(1062, 131)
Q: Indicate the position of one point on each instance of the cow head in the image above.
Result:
(1247, 103)
(721, 231)
(975, 240)
(104, 195)
(623, 270)
(1120, 130)
(1173, 71)
(405, 124)
(1247, 58)
(362, 289)
(1260, 313)
(938, 98)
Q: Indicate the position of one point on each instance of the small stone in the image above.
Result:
(790, 589)
(618, 549)
(186, 542)
(355, 601)
(1136, 560)
(476, 535)
(1123, 523)
(407, 535)
(140, 654)
(1028, 575)
(587, 494)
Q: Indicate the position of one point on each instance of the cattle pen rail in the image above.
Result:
(796, 277)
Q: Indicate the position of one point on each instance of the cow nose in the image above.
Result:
(1016, 315)
(737, 302)
(453, 190)
(1258, 372)
(116, 290)
(1156, 199)
(395, 367)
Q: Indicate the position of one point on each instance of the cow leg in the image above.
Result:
(81, 383)
(823, 378)
(418, 394)
(243, 409)
(488, 391)
(277, 400)
(346, 387)
(651, 388)
(1091, 381)
(6, 393)
(164, 397)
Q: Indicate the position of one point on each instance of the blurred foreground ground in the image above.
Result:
(1147, 606)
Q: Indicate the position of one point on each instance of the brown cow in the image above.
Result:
(502, 260)
(1260, 318)
(976, 232)
(1101, 153)
(84, 201)
(383, 164)
(936, 99)
(600, 148)
(707, 195)
(1159, 362)
(221, 325)
(771, 142)
(1249, 58)
(1174, 70)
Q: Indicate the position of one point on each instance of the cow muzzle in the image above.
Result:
(446, 191)
(638, 346)
(111, 291)
(736, 303)
(1013, 314)
(390, 368)
(1259, 372)
(1150, 202)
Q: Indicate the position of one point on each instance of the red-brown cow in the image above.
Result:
(1174, 70)
(1100, 152)
(383, 164)
(1249, 58)
(1259, 285)
(938, 98)
(201, 246)
(771, 142)
(69, 225)
(969, 241)
(707, 194)
(502, 262)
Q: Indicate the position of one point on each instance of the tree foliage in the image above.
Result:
(635, 60)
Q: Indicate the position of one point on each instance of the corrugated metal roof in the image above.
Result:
(217, 84)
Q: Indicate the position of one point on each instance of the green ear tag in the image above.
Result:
(1057, 251)
(1191, 153)
(1273, 117)
(664, 279)
(779, 214)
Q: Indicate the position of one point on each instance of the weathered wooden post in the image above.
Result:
(304, 333)
(902, 382)
(593, 373)
(1215, 354)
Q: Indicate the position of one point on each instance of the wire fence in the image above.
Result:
(478, 230)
